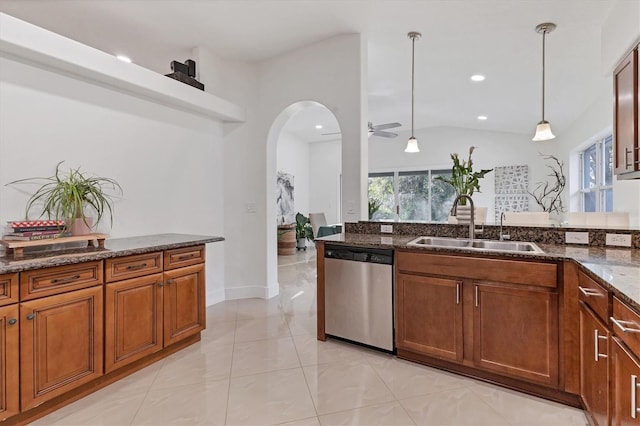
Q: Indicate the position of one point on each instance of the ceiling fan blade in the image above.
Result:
(334, 133)
(384, 134)
(386, 126)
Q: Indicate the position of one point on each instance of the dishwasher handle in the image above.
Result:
(357, 254)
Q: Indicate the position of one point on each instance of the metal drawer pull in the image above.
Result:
(596, 337)
(589, 292)
(12, 321)
(634, 388)
(476, 295)
(160, 284)
(169, 281)
(457, 293)
(627, 151)
(185, 257)
(30, 317)
(132, 267)
(64, 280)
(621, 325)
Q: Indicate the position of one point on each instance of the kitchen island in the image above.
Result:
(517, 319)
(75, 319)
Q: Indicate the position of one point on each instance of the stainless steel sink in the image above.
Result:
(476, 245)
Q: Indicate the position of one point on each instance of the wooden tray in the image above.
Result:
(17, 247)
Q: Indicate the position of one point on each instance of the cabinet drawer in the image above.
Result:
(59, 279)
(8, 289)
(178, 258)
(500, 270)
(123, 268)
(626, 325)
(594, 295)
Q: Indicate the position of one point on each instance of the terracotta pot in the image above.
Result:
(79, 227)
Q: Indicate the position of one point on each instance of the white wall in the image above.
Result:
(620, 32)
(169, 162)
(325, 166)
(437, 143)
(293, 158)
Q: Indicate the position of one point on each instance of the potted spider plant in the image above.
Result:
(73, 197)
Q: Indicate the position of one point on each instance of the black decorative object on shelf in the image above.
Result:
(185, 73)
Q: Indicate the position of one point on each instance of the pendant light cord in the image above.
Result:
(413, 55)
(544, 33)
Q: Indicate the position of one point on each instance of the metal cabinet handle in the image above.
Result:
(12, 321)
(621, 325)
(160, 284)
(627, 164)
(457, 293)
(589, 292)
(596, 349)
(31, 316)
(169, 281)
(64, 280)
(133, 267)
(476, 295)
(634, 388)
(185, 257)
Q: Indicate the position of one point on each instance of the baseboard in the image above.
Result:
(248, 292)
(216, 296)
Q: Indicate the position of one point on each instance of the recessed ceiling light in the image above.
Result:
(318, 126)
(482, 117)
(477, 77)
(124, 58)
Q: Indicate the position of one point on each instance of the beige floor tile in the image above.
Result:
(301, 324)
(525, 410)
(104, 407)
(311, 421)
(271, 327)
(262, 356)
(203, 404)
(195, 365)
(249, 309)
(343, 386)
(269, 398)
(312, 351)
(406, 379)
(225, 311)
(390, 413)
(220, 332)
(459, 407)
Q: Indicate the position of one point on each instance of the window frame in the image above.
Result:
(600, 187)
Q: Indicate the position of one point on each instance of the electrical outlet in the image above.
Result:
(386, 229)
(620, 240)
(576, 237)
(386, 240)
(250, 207)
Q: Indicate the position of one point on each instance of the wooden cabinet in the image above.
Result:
(625, 118)
(9, 384)
(184, 303)
(493, 315)
(594, 365)
(625, 371)
(429, 316)
(133, 320)
(516, 331)
(61, 344)
(8, 289)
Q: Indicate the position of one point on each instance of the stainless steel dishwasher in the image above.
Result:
(358, 285)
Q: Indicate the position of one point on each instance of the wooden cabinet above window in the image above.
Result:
(626, 99)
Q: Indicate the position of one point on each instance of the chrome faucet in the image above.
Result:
(503, 236)
(454, 212)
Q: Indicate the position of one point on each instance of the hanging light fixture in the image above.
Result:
(543, 129)
(412, 144)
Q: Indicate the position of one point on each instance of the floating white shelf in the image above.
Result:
(24, 40)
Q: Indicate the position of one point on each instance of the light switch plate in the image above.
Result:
(620, 240)
(386, 229)
(576, 237)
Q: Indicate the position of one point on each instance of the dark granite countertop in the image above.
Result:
(616, 268)
(116, 247)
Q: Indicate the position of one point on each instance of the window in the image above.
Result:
(596, 188)
(411, 195)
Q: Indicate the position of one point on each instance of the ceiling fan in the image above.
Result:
(377, 130)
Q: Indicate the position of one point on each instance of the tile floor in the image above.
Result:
(259, 363)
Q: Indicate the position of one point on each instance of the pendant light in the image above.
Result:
(412, 144)
(543, 129)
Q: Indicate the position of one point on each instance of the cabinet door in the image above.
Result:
(625, 372)
(9, 386)
(8, 289)
(133, 320)
(594, 366)
(184, 303)
(429, 316)
(61, 344)
(516, 331)
(625, 120)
